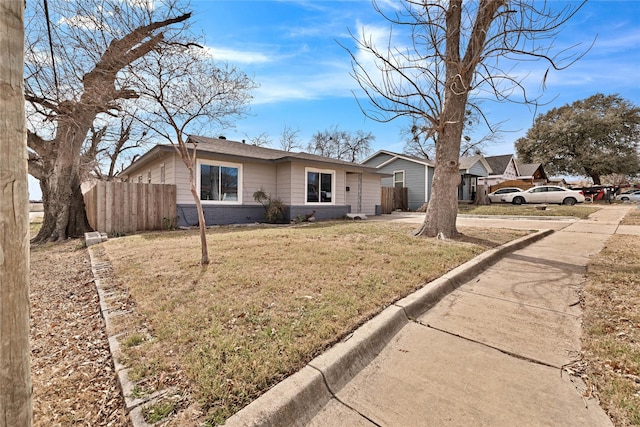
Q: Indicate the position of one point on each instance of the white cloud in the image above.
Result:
(84, 22)
(237, 56)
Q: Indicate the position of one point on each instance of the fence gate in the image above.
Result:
(127, 207)
(394, 198)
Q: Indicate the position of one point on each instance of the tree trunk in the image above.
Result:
(481, 196)
(201, 222)
(64, 210)
(15, 376)
(190, 163)
(442, 210)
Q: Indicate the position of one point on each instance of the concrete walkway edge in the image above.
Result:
(298, 398)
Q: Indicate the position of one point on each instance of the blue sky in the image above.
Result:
(291, 49)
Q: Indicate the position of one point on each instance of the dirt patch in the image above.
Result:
(72, 372)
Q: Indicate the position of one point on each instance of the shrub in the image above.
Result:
(273, 207)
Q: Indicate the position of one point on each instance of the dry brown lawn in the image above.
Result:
(272, 299)
(611, 327)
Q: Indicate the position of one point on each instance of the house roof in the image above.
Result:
(499, 164)
(527, 170)
(241, 151)
(465, 162)
(394, 156)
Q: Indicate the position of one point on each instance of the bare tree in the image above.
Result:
(421, 139)
(456, 48)
(186, 92)
(113, 146)
(290, 139)
(75, 73)
(15, 376)
(341, 145)
(262, 140)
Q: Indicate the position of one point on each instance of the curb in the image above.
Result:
(297, 399)
(133, 406)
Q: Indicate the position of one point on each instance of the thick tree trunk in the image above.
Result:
(15, 374)
(442, 210)
(64, 210)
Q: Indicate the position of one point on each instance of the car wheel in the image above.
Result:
(570, 201)
(518, 200)
(624, 199)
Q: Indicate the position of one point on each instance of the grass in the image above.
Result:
(632, 218)
(579, 211)
(34, 226)
(158, 411)
(272, 299)
(611, 326)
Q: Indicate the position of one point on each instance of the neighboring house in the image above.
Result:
(416, 174)
(504, 168)
(560, 182)
(472, 170)
(532, 173)
(228, 173)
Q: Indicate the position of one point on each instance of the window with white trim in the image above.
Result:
(320, 186)
(219, 182)
(398, 179)
(162, 173)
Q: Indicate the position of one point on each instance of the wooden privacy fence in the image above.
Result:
(127, 207)
(394, 198)
(513, 183)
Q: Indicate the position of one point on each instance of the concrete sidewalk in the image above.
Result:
(491, 352)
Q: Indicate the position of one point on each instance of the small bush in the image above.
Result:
(273, 208)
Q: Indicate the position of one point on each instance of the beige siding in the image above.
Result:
(369, 196)
(283, 182)
(370, 193)
(257, 176)
(353, 182)
(298, 179)
(340, 197)
(181, 177)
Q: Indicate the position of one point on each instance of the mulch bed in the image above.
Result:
(74, 382)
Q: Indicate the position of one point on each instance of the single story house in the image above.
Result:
(416, 174)
(227, 173)
(508, 172)
(503, 167)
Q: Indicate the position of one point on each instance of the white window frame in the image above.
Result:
(333, 174)
(207, 162)
(404, 177)
(162, 173)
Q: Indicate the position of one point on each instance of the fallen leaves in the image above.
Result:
(72, 372)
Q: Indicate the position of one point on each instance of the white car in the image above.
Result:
(545, 194)
(496, 196)
(631, 196)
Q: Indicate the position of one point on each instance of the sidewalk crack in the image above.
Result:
(501, 350)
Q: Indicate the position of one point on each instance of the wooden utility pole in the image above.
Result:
(15, 377)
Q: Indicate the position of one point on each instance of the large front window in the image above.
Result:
(219, 183)
(319, 187)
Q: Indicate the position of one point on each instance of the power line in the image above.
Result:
(53, 60)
